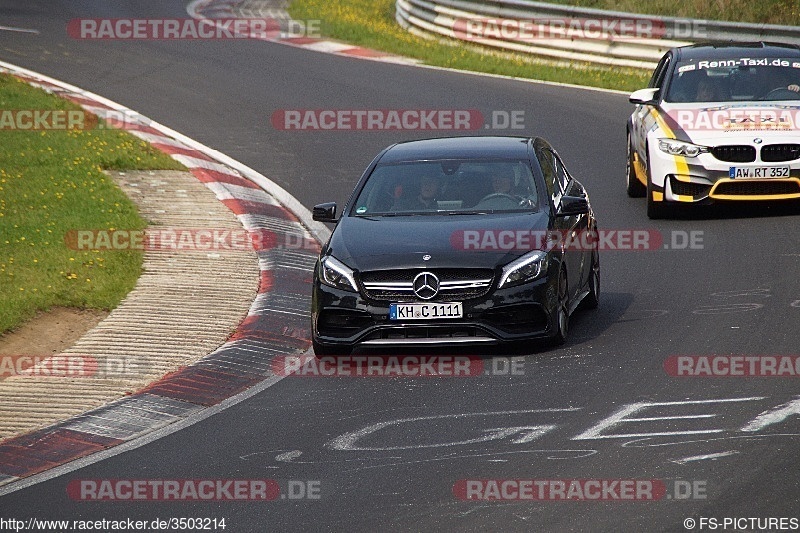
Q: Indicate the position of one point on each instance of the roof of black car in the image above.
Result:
(736, 50)
(478, 147)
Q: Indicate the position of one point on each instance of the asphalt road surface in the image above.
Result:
(378, 453)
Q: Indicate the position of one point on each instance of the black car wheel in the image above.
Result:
(592, 300)
(562, 311)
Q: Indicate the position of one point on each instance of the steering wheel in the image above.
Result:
(781, 93)
(494, 195)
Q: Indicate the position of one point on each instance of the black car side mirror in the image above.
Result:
(573, 205)
(324, 212)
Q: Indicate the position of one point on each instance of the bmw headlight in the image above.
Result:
(336, 274)
(675, 147)
(526, 268)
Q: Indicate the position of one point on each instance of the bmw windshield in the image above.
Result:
(735, 80)
(448, 187)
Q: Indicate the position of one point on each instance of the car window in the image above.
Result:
(735, 80)
(443, 187)
(659, 73)
(548, 166)
(562, 176)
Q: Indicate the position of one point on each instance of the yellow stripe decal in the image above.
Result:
(789, 196)
(680, 161)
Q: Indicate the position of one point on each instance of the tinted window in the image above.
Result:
(657, 79)
(548, 165)
(442, 187)
(562, 177)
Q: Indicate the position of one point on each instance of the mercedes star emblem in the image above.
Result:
(426, 285)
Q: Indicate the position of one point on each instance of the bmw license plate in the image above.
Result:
(425, 311)
(758, 172)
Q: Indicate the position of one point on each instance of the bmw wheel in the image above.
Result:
(634, 186)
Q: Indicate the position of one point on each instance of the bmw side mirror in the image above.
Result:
(324, 212)
(573, 205)
(644, 96)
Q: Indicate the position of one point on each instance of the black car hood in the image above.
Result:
(380, 243)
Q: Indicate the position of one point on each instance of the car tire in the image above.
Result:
(327, 349)
(634, 186)
(559, 337)
(592, 300)
(655, 210)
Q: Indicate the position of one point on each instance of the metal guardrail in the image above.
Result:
(574, 34)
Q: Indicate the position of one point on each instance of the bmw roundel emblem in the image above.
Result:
(426, 285)
(758, 140)
(426, 257)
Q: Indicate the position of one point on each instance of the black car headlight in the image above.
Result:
(527, 268)
(675, 147)
(336, 274)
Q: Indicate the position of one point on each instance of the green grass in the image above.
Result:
(783, 12)
(371, 23)
(51, 182)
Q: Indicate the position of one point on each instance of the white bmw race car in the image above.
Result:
(717, 123)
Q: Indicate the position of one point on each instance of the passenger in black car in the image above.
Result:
(425, 200)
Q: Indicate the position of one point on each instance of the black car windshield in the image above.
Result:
(735, 80)
(448, 187)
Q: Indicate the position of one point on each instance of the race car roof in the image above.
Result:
(735, 50)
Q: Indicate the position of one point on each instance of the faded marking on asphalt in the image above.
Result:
(347, 442)
(288, 457)
(18, 30)
(774, 416)
(764, 293)
(634, 443)
(624, 416)
(711, 456)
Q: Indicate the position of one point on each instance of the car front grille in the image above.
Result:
(456, 284)
(774, 153)
(735, 153)
(756, 188)
(457, 333)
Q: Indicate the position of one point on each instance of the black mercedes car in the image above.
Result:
(453, 241)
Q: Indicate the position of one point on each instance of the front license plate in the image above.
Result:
(425, 311)
(758, 172)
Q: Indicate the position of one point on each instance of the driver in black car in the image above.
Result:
(501, 183)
